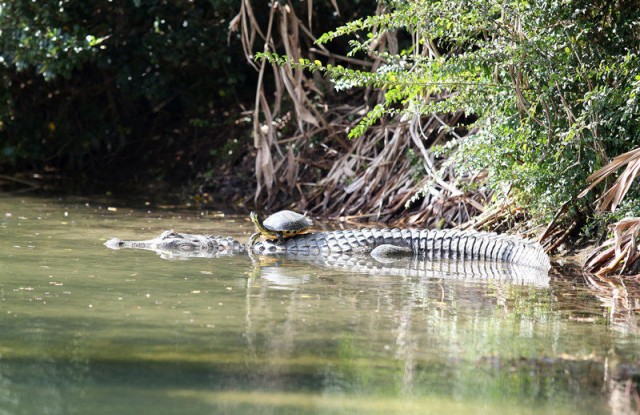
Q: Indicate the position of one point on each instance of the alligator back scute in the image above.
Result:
(449, 241)
(483, 245)
(465, 245)
(355, 241)
(493, 246)
(506, 247)
(318, 244)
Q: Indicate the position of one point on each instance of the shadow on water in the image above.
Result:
(90, 330)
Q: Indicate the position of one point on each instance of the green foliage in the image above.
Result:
(554, 84)
(85, 82)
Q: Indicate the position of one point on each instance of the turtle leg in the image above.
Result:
(280, 238)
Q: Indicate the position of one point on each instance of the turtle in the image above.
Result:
(280, 225)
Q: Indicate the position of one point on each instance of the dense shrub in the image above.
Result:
(87, 82)
(554, 85)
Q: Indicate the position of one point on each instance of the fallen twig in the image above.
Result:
(31, 184)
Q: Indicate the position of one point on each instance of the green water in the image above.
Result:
(88, 330)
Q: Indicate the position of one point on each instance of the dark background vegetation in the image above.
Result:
(128, 91)
(114, 89)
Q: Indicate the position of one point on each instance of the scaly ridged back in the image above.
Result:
(432, 244)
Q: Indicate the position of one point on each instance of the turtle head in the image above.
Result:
(261, 229)
(255, 219)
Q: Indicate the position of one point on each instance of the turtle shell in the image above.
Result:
(286, 220)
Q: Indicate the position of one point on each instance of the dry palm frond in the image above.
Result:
(286, 29)
(371, 177)
(374, 179)
(615, 194)
(620, 254)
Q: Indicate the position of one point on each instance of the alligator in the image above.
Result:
(384, 245)
(407, 253)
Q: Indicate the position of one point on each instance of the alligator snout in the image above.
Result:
(114, 243)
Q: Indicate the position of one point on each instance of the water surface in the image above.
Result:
(85, 329)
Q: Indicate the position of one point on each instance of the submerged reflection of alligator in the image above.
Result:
(388, 251)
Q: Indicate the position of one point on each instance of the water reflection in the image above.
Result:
(435, 324)
(84, 329)
(621, 297)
